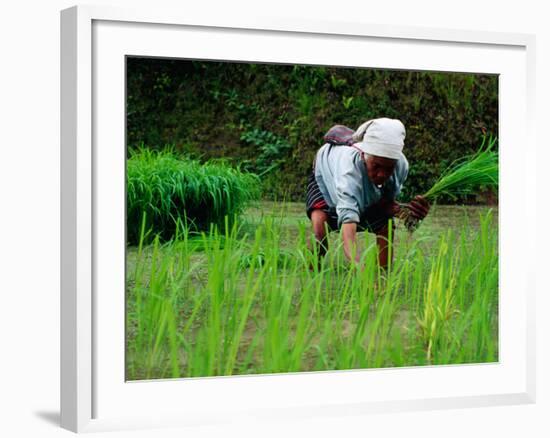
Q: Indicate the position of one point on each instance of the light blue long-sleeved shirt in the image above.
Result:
(343, 181)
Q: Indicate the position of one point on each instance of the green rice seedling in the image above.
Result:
(439, 298)
(169, 188)
(483, 322)
(196, 309)
(463, 177)
(468, 174)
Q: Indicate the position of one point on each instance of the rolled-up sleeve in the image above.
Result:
(349, 189)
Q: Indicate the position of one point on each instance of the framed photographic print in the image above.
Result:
(267, 216)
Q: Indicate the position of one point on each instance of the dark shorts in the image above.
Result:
(373, 220)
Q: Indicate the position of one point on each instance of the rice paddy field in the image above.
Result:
(251, 300)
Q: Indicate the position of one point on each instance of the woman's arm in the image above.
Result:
(349, 235)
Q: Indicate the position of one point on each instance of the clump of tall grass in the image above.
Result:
(463, 177)
(165, 188)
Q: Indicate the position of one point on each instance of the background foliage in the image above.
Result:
(270, 119)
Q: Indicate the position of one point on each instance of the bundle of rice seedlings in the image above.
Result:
(463, 177)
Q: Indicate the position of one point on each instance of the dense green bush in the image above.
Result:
(247, 112)
(167, 188)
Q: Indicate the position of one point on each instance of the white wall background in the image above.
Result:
(29, 216)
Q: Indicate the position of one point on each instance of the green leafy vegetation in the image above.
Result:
(164, 190)
(271, 151)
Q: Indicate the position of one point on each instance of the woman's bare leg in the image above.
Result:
(319, 220)
(384, 249)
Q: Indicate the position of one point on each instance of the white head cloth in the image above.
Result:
(381, 137)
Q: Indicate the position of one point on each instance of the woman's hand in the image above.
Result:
(390, 207)
(419, 207)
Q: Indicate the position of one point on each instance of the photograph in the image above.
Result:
(285, 218)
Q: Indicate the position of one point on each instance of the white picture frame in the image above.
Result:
(94, 395)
